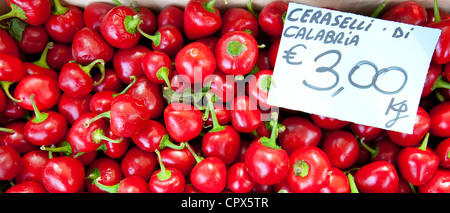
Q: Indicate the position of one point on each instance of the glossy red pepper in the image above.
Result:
(86, 134)
(75, 79)
(183, 121)
(342, 148)
(438, 183)
(201, 19)
(417, 165)
(167, 39)
(157, 67)
(154, 137)
(27, 187)
(443, 152)
(408, 12)
(377, 177)
(166, 180)
(31, 11)
(127, 62)
(245, 114)
(45, 128)
(63, 175)
(33, 162)
(72, 108)
(182, 159)
(94, 12)
(13, 135)
(441, 53)
(172, 15)
(31, 39)
(238, 179)
(236, 53)
(299, 132)
(239, 19)
(11, 71)
(259, 90)
(440, 120)
(308, 169)
(11, 163)
(266, 162)
(45, 89)
(8, 45)
(130, 184)
(196, 61)
(150, 94)
(271, 18)
(220, 141)
(137, 162)
(105, 171)
(209, 175)
(64, 22)
(422, 124)
(119, 27)
(337, 182)
(89, 45)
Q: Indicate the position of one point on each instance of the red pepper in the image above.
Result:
(34, 12)
(236, 53)
(119, 27)
(201, 19)
(64, 22)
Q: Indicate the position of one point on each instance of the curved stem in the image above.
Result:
(16, 11)
(441, 83)
(163, 174)
(132, 23)
(373, 152)
(209, 6)
(38, 116)
(437, 16)
(424, 144)
(272, 141)
(377, 11)
(165, 142)
(250, 8)
(3, 129)
(106, 114)
(133, 81)
(216, 126)
(5, 85)
(101, 67)
(351, 180)
(156, 39)
(109, 189)
(163, 74)
(65, 148)
(58, 8)
(42, 62)
(198, 159)
(87, 69)
(98, 135)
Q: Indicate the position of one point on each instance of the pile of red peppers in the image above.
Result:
(115, 98)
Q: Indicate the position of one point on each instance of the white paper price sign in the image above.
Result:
(352, 67)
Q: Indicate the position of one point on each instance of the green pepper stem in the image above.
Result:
(156, 39)
(216, 126)
(424, 144)
(209, 6)
(351, 180)
(58, 8)
(15, 11)
(133, 81)
(42, 62)
(38, 116)
(163, 74)
(378, 10)
(250, 8)
(106, 114)
(132, 23)
(272, 141)
(373, 152)
(165, 142)
(98, 135)
(437, 16)
(110, 189)
(3, 129)
(163, 174)
(198, 159)
(5, 85)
